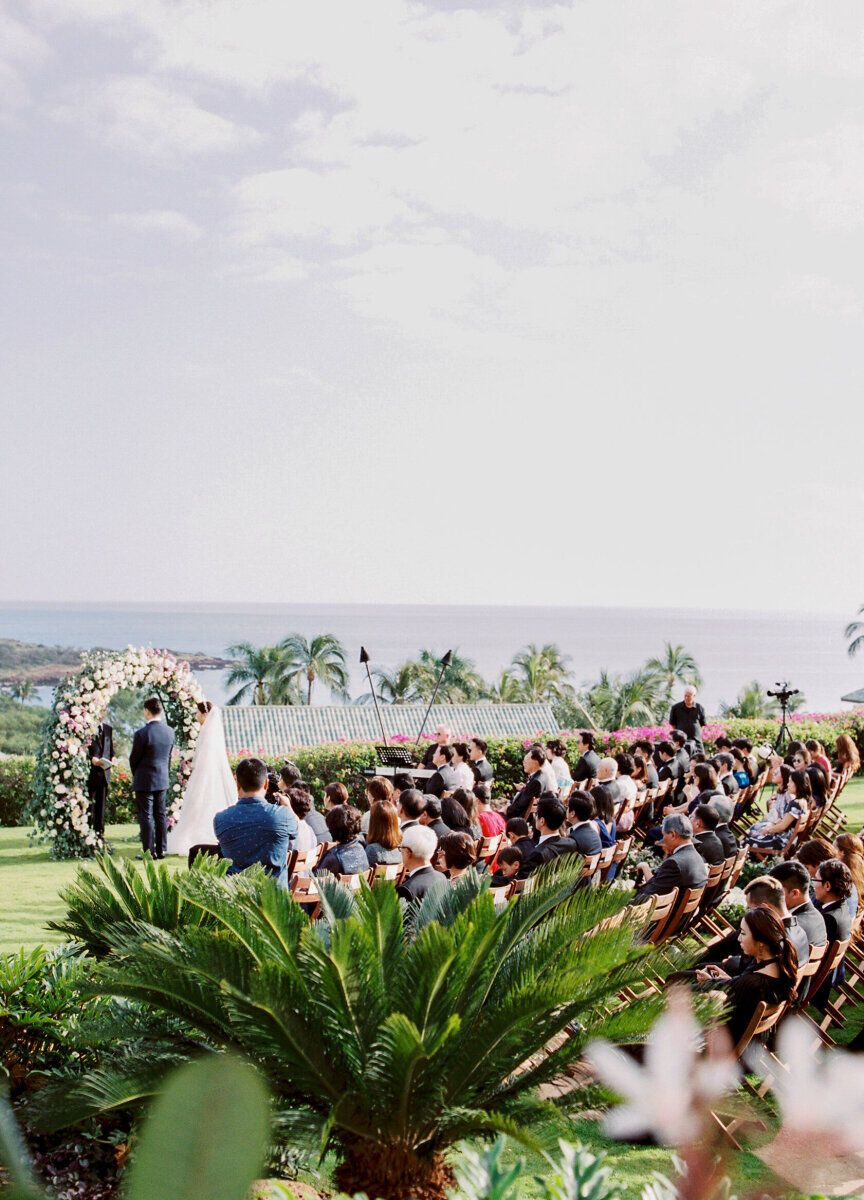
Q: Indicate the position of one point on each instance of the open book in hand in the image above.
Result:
(105, 763)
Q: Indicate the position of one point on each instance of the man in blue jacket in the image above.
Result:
(253, 830)
(150, 760)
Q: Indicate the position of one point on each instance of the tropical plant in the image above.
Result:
(754, 703)
(259, 670)
(855, 631)
(543, 673)
(387, 1034)
(507, 689)
(319, 659)
(675, 665)
(461, 683)
(616, 702)
(97, 906)
(23, 690)
(398, 686)
(205, 1138)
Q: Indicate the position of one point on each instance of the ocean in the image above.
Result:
(731, 648)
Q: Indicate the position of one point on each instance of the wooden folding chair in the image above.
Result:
(659, 917)
(685, 912)
(717, 872)
(765, 1018)
(589, 865)
(392, 871)
(487, 847)
(519, 887)
(834, 954)
(304, 890)
(303, 862)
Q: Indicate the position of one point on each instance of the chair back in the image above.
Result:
(765, 1017)
(685, 910)
(834, 954)
(519, 887)
(352, 882)
(662, 910)
(717, 874)
(487, 847)
(811, 967)
(391, 871)
(738, 866)
(589, 865)
(302, 862)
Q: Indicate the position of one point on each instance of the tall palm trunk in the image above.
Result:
(392, 1172)
(310, 679)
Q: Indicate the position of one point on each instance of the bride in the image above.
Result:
(211, 787)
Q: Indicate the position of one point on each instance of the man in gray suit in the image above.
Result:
(150, 760)
(683, 866)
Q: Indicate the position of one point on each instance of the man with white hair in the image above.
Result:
(419, 844)
(442, 738)
(607, 771)
(688, 716)
(683, 866)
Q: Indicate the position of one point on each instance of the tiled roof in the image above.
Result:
(854, 697)
(274, 728)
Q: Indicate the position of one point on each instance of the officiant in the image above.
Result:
(101, 749)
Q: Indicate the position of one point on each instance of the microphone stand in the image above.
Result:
(445, 663)
(364, 658)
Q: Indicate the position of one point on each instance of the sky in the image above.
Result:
(415, 302)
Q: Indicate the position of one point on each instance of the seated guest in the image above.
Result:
(480, 764)
(431, 817)
(604, 815)
(589, 759)
(385, 837)
(300, 803)
(456, 854)
(645, 773)
(442, 738)
(683, 866)
(418, 846)
(849, 849)
(832, 885)
(348, 856)
(583, 827)
(669, 767)
(774, 831)
(289, 778)
(771, 978)
(795, 879)
(723, 764)
(813, 854)
(461, 766)
(705, 821)
(454, 815)
(335, 796)
(466, 799)
(491, 822)
(765, 891)
(607, 777)
(725, 809)
(253, 830)
(379, 789)
(549, 817)
(818, 755)
(556, 754)
(445, 778)
(412, 804)
(739, 770)
(627, 789)
(848, 757)
(509, 861)
(519, 836)
(679, 743)
(751, 765)
(522, 804)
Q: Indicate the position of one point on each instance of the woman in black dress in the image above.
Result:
(770, 977)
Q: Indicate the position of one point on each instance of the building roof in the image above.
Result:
(276, 728)
(854, 697)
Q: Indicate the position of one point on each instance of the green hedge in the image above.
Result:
(344, 762)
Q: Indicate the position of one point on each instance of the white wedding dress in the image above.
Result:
(211, 789)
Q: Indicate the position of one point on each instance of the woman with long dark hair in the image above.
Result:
(775, 830)
(771, 975)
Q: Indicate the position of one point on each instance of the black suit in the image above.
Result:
(838, 920)
(553, 847)
(417, 885)
(99, 778)
(730, 784)
(668, 770)
(438, 828)
(684, 869)
(482, 769)
(587, 838)
(586, 767)
(521, 802)
(710, 847)
(727, 839)
(812, 922)
(526, 847)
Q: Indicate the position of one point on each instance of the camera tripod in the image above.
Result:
(783, 695)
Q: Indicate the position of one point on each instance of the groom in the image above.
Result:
(150, 759)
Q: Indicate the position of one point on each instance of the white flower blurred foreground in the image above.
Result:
(670, 1095)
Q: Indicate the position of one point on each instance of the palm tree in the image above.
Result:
(462, 683)
(543, 673)
(320, 659)
(386, 1033)
(23, 690)
(674, 666)
(398, 686)
(855, 631)
(508, 690)
(617, 702)
(754, 702)
(258, 669)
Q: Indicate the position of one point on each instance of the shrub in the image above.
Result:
(387, 1033)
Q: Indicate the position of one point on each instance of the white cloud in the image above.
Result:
(152, 119)
(21, 50)
(158, 220)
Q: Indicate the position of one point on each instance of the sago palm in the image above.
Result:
(387, 1034)
(256, 669)
(317, 659)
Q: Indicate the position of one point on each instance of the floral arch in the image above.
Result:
(60, 805)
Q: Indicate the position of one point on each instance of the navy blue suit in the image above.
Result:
(150, 760)
(255, 831)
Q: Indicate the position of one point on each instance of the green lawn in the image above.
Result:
(30, 882)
